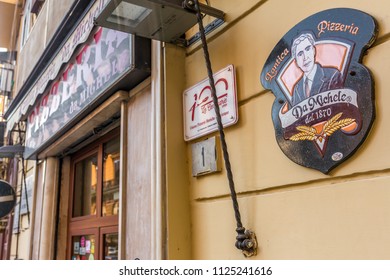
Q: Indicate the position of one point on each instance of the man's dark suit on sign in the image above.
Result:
(324, 79)
(315, 78)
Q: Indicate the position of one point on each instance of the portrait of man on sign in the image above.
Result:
(315, 78)
(324, 96)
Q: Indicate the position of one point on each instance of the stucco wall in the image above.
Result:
(296, 212)
(56, 13)
(47, 22)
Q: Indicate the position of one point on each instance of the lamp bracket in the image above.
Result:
(205, 9)
(208, 28)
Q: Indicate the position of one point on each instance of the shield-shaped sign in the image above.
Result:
(324, 105)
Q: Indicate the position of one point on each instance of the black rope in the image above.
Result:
(218, 117)
(22, 142)
(25, 190)
(245, 240)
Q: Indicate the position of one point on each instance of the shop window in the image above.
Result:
(85, 183)
(36, 6)
(109, 237)
(94, 209)
(111, 162)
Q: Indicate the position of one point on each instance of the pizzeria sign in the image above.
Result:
(324, 104)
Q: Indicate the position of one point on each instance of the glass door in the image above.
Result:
(94, 201)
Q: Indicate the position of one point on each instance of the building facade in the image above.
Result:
(108, 170)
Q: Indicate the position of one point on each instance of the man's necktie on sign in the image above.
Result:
(307, 87)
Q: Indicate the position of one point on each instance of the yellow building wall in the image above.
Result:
(296, 212)
(6, 16)
(42, 31)
(178, 217)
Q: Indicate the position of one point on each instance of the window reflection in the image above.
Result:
(85, 187)
(111, 246)
(111, 167)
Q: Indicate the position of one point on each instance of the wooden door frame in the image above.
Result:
(91, 223)
(5, 240)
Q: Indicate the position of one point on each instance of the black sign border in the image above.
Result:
(358, 78)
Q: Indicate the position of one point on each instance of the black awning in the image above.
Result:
(11, 151)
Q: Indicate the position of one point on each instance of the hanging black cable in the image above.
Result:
(21, 141)
(246, 240)
(18, 228)
(25, 190)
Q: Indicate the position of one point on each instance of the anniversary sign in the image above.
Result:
(324, 105)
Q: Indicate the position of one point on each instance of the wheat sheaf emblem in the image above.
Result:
(330, 127)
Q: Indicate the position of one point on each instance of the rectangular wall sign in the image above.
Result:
(198, 106)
